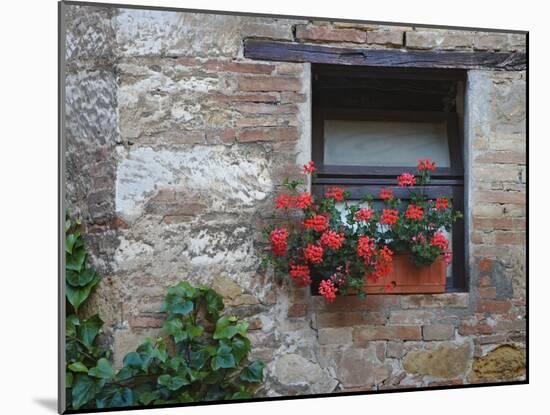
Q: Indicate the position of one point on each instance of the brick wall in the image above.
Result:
(198, 140)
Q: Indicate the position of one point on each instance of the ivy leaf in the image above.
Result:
(133, 360)
(76, 296)
(241, 347)
(122, 397)
(71, 322)
(75, 261)
(193, 331)
(174, 327)
(89, 329)
(78, 367)
(224, 359)
(80, 279)
(253, 373)
(69, 242)
(147, 397)
(69, 380)
(214, 302)
(177, 305)
(103, 370)
(172, 382)
(225, 329)
(83, 391)
(197, 359)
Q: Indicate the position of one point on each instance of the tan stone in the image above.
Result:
(226, 287)
(336, 335)
(506, 362)
(446, 361)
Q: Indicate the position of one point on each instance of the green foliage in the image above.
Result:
(204, 357)
(85, 361)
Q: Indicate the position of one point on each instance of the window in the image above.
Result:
(372, 124)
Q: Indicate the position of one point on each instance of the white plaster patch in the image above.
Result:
(227, 176)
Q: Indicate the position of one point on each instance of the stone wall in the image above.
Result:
(176, 145)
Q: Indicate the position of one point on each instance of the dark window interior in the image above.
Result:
(410, 113)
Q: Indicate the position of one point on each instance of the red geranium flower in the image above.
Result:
(313, 253)
(382, 264)
(317, 222)
(309, 167)
(300, 275)
(304, 200)
(406, 179)
(365, 248)
(279, 241)
(337, 193)
(364, 214)
(441, 203)
(389, 216)
(328, 290)
(426, 164)
(333, 240)
(284, 201)
(414, 212)
(439, 240)
(386, 194)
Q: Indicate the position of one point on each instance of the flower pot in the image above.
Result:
(408, 278)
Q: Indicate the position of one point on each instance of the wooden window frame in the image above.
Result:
(370, 179)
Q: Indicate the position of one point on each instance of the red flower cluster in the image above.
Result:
(304, 200)
(365, 248)
(426, 164)
(279, 241)
(386, 194)
(414, 212)
(309, 167)
(313, 253)
(284, 201)
(389, 216)
(406, 179)
(439, 240)
(300, 275)
(382, 264)
(441, 203)
(337, 193)
(333, 240)
(364, 214)
(317, 222)
(328, 290)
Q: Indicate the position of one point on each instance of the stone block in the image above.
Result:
(363, 335)
(391, 38)
(454, 300)
(269, 84)
(335, 335)
(329, 34)
(438, 332)
(448, 360)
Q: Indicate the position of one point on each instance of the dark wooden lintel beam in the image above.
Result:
(299, 52)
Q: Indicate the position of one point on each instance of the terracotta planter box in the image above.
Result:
(408, 278)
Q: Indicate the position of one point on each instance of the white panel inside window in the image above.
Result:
(385, 143)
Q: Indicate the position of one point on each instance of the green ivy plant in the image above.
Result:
(204, 358)
(81, 349)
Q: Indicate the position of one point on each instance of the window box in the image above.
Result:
(408, 278)
(405, 278)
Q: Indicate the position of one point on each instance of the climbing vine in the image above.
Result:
(203, 358)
